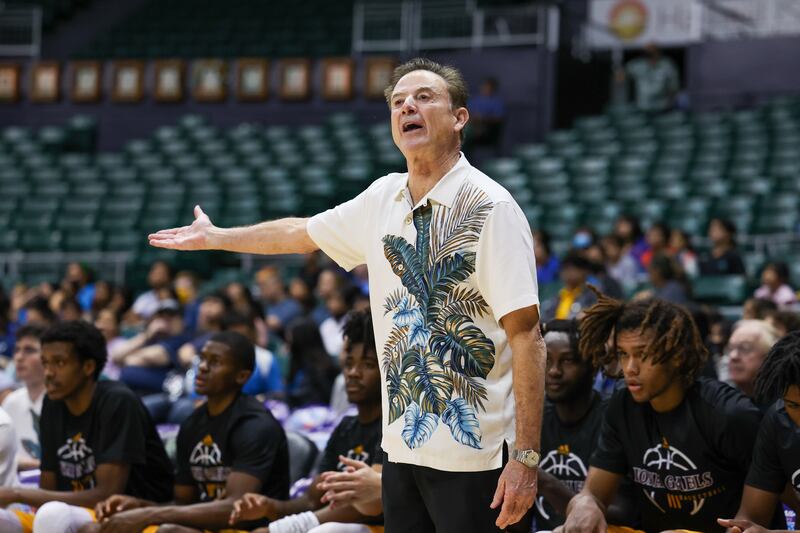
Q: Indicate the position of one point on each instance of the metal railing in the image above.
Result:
(20, 31)
(414, 25)
(15, 266)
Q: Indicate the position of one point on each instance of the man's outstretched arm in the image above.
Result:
(284, 236)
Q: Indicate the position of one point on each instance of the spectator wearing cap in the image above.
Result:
(147, 358)
(574, 296)
(775, 285)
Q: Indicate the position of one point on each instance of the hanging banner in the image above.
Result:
(635, 23)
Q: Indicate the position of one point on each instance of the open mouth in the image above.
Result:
(411, 126)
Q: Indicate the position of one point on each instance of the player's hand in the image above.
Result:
(115, 504)
(741, 526)
(358, 484)
(194, 237)
(127, 521)
(584, 517)
(516, 491)
(253, 506)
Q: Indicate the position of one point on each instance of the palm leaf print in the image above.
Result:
(419, 426)
(463, 423)
(394, 348)
(463, 301)
(405, 263)
(430, 387)
(422, 221)
(468, 388)
(399, 395)
(471, 352)
(447, 274)
(393, 300)
(460, 227)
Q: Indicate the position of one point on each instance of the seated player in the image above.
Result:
(24, 405)
(570, 426)
(355, 438)
(684, 441)
(775, 469)
(96, 439)
(231, 445)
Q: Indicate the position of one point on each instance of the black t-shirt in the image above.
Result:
(353, 440)
(116, 428)
(243, 438)
(566, 449)
(729, 263)
(776, 456)
(688, 466)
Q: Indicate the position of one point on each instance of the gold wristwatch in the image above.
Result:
(529, 458)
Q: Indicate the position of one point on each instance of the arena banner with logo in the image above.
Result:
(635, 23)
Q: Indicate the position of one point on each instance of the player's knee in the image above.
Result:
(58, 517)
(9, 522)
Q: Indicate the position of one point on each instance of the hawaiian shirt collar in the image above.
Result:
(445, 190)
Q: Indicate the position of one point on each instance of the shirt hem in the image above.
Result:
(447, 465)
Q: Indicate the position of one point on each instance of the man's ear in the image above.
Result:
(462, 117)
(88, 367)
(242, 377)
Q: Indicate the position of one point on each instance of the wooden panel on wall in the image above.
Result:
(128, 83)
(209, 80)
(337, 78)
(85, 81)
(378, 74)
(45, 82)
(168, 80)
(252, 80)
(295, 79)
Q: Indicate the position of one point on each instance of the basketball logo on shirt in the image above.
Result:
(207, 469)
(796, 479)
(356, 454)
(561, 463)
(682, 488)
(76, 462)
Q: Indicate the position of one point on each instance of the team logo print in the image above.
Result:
(208, 470)
(356, 454)
(796, 479)
(665, 457)
(567, 467)
(77, 463)
(206, 452)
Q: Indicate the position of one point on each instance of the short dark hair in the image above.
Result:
(242, 350)
(780, 370)
(780, 268)
(30, 330)
(86, 340)
(576, 260)
(358, 330)
(232, 319)
(41, 305)
(456, 86)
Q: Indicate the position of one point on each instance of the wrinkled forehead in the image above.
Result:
(419, 79)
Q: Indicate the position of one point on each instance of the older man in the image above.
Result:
(746, 351)
(455, 307)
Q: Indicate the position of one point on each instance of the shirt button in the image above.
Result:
(409, 218)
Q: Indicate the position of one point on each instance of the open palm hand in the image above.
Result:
(194, 237)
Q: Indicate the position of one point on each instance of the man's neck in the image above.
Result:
(368, 412)
(425, 172)
(216, 405)
(35, 391)
(80, 401)
(572, 412)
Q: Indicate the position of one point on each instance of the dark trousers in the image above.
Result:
(417, 499)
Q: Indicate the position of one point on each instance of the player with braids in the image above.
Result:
(775, 471)
(684, 441)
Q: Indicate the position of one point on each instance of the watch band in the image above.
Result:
(529, 458)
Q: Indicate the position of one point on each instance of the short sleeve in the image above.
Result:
(339, 232)
(330, 457)
(255, 444)
(506, 266)
(766, 472)
(183, 472)
(121, 438)
(609, 454)
(48, 437)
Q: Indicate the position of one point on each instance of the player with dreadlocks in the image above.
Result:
(775, 470)
(684, 441)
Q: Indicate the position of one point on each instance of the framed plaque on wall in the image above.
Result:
(208, 80)
(45, 82)
(378, 75)
(252, 80)
(295, 79)
(337, 78)
(9, 82)
(168, 80)
(85, 81)
(128, 85)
